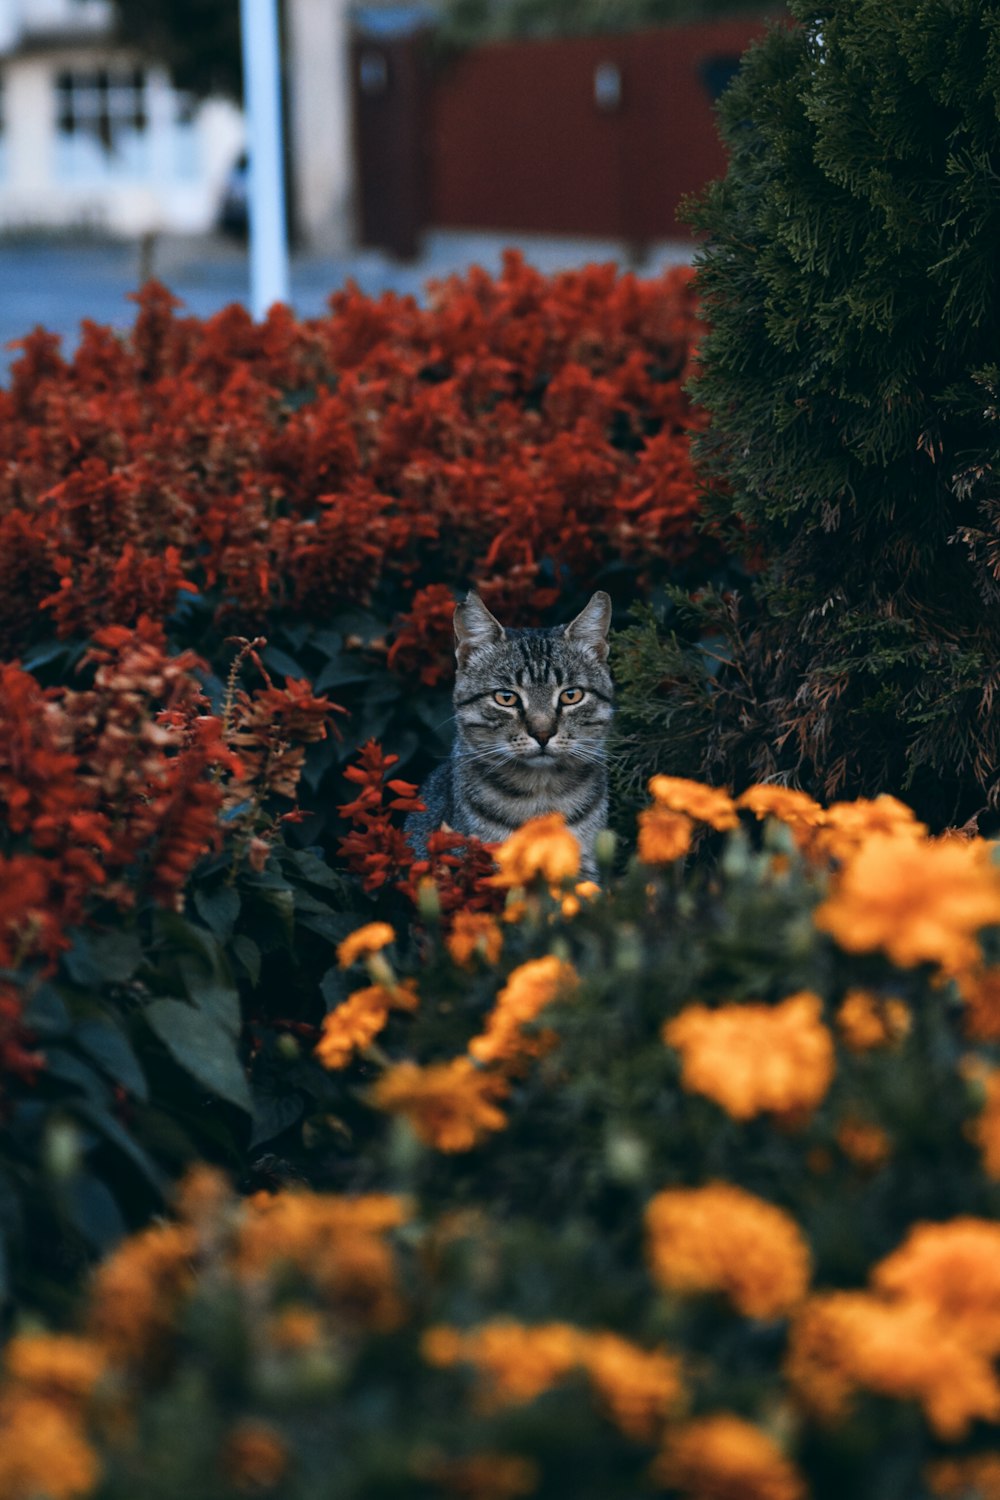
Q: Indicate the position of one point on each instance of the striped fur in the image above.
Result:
(530, 753)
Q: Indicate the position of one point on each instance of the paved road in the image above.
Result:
(55, 284)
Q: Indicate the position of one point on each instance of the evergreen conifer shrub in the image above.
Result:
(851, 374)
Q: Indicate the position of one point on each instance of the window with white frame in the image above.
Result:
(102, 123)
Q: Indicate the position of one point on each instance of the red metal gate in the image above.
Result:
(390, 130)
(594, 136)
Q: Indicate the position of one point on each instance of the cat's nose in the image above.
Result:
(542, 735)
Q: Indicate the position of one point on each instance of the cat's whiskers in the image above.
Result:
(491, 752)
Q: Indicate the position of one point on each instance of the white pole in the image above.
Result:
(262, 90)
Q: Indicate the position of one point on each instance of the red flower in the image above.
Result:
(424, 644)
(496, 433)
(377, 851)
(116, 791)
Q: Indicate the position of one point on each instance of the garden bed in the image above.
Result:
(328, 1172)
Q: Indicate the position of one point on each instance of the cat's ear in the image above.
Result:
(475, 627)
(590, 628)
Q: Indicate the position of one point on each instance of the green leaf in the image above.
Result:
(45, 1012)
(65, 1068)
(327, 640)
(361, 622)
(248, 954)
(218, 909)
(319, 758)
(279, 661)
(174, 931)
(313, 869)
(282, 902)
(338, 673)
(92, 1209)
(95, 960)
(118, 954)
(272, 1114)
(319, 916)
(203, 1048)
(117, 1135)
(214, 995)
(270, 878)
(297, 633)
(332, 925)
(335, 986)
(43, 654)
(113, 1053)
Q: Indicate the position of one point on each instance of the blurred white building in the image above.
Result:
(91, 135)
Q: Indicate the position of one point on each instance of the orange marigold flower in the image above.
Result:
(474, 932)
(866, 1020)
(368, 939)
(797, 809)
(640, 1387)
(55, 1365)
(847, 826)
(863, 1143)
(530, 988)
(338, 1243)
(450, 1106)
(663, 835)
(705, 804)
(918, 902)
(351, 1025)
(756, 1059)
(961, 1478)
(847, 1341)
(984, 1130)
(296, 1327)
(136, 1291)
(980, 992)
(719, 1238)
(954, 1269)
(202, 1194)
(542, 847)
(43, 1451)
(722, 1457)
(584, 890)
(516, 1363)
(254, 1458)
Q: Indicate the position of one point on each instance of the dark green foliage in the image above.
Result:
(471, 21)
(667, 668)
(146, 1032)
(851, 284)
(199, 40)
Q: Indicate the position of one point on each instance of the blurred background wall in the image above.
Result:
(584, 117)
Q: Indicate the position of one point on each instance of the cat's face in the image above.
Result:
(540, 700)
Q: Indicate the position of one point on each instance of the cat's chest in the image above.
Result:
(501, 803)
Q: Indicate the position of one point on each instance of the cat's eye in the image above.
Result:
(505, 700)
(569, 696)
